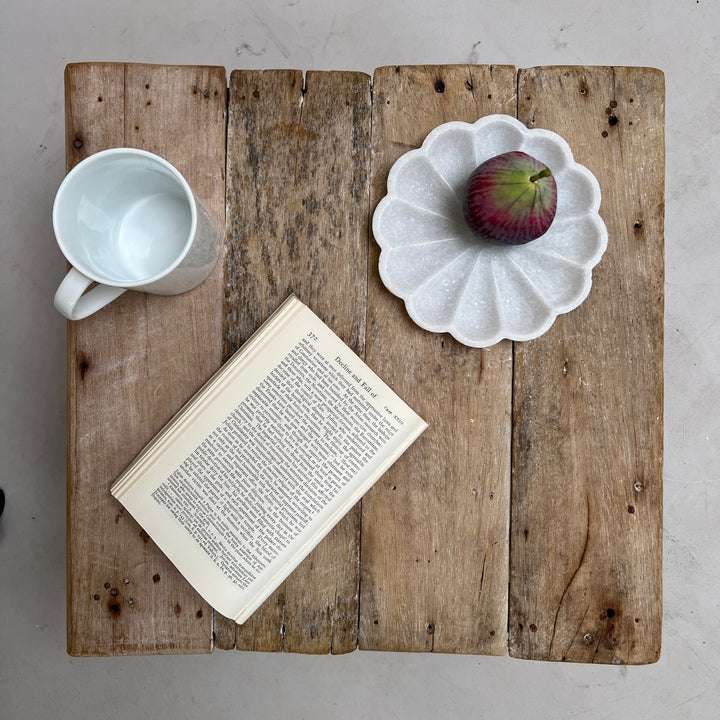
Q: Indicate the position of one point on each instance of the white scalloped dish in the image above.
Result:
(453, 281)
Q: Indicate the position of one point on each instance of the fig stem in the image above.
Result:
(543, 173)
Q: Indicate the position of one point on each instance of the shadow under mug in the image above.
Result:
(126, 219)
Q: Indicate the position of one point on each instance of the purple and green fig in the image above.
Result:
(510, 199)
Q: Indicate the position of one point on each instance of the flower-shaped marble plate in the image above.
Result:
(453, 281)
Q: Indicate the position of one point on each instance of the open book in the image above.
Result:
(265, 459)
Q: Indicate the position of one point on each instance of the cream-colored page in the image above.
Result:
(239, 494)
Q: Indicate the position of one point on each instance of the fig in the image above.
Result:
(510, 199)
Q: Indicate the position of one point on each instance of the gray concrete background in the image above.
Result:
(37, 39)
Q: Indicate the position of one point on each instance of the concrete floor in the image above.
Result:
(37, 39)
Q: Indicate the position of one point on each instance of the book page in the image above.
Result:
(266, 460)
(276, 462)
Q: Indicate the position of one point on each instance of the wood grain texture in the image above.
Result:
(297, 205)
(434, 569)
(586, 577)
(132, 365)
(578, 537)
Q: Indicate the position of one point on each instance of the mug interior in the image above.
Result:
(123, 217)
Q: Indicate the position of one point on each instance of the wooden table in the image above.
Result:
(528, 518)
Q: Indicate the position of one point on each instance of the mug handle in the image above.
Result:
(75, 304)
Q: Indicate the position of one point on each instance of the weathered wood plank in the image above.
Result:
(586, 558)
(132, 365)
(297, 204)
(435, 528)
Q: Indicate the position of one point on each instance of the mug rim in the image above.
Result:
(80, 267)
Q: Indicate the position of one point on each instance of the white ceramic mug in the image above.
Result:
(127, 220)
